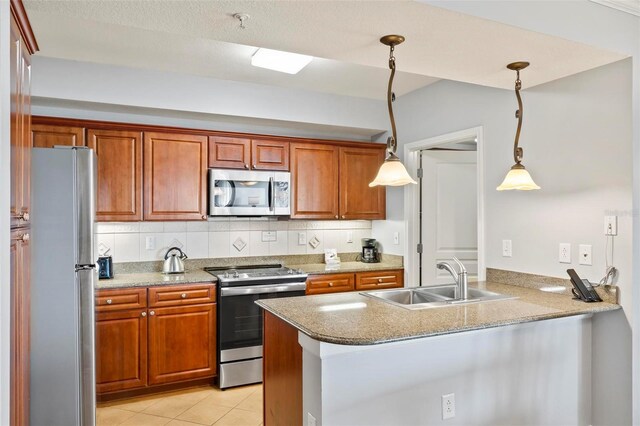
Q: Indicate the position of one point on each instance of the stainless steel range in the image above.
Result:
(240, 319)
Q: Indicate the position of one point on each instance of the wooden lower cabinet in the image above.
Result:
(121, 350)
(335, 283)
(282, 373)
(379, 280)
(139, 345)
(182, 343)
(330, 283)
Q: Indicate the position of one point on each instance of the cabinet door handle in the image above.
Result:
(109, 301)
(23, 237)
(336, 216)
(343, 216)
(204, 217)
(254, 166)
(144, 314)
(152, 313)
(246, 166)
(330, 284)
(183, 295)
(379, 280)
(22, 216)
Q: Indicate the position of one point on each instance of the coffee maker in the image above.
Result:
(370, 253)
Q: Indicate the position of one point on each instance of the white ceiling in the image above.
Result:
(201, 37)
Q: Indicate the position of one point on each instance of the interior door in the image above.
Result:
(449, 213)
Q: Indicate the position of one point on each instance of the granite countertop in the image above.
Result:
(367, 321)
(144, 279)
(321, 268)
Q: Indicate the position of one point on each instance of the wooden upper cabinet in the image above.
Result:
(314, 181)
(119, 164)
(229, 153)
(358, 167)
(47, 136)
(20, 125)
(269, 155)
(257, 154)
(175, 176)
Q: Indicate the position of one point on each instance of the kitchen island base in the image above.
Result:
(526, 374)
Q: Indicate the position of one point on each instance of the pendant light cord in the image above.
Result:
(517, 151)
(392, 142)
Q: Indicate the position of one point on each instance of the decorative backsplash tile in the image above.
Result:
(216, 238)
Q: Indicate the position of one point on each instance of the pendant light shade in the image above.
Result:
(392, 172)
(518, 177)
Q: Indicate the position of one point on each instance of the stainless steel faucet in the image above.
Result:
(460, 277)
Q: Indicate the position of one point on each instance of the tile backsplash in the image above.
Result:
(228, 237)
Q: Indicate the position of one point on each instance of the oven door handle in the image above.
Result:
(272, 194)
(262, 289)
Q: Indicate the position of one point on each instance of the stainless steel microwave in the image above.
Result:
(249, 193)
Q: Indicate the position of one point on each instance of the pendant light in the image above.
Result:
(392, 172)
(518, 177)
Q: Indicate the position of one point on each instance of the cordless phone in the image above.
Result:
(582, 289)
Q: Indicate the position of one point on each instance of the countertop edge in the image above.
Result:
(603, 307)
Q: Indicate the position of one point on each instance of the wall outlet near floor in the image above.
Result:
(564, 253)
(611, 225)
(396, 238)
(311, 421)
(585, 254)
(448, 406)
(302, 238)
(506, 248)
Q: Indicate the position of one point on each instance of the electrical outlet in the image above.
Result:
(611, 225)
(506, 248)
(585, 254)
(448, 406)
(396, 238)
(311, 421)
(302, 238)
(150, 243)
(269, 236)
(564, 253)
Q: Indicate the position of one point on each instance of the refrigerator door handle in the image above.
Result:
(87, 277)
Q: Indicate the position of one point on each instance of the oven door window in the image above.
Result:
(241, 319)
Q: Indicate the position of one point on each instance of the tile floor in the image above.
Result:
(240, 406)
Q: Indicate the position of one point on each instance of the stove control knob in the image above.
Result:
(300, 271)
(226, 275)
(236, 274)
(290, 272)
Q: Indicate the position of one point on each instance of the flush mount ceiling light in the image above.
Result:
(392, 172)
(277, 60)
(518, 177)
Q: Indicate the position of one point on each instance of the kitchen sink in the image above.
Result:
(433, 297)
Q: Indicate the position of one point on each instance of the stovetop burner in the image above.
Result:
(255, 274)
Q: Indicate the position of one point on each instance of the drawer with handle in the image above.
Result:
(122, 299)
(332, 283)
(379, 279)
(181, 295)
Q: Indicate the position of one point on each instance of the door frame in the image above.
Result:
(412, 197)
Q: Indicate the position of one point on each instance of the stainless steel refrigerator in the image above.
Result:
(63, 275)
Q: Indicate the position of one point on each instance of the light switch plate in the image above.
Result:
(396, 238)
(150, 243)
(349, 236)
(302, 238)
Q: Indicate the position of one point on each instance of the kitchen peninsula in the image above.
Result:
(360, 361)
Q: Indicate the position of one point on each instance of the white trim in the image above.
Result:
(411, 161)
(628, 6)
